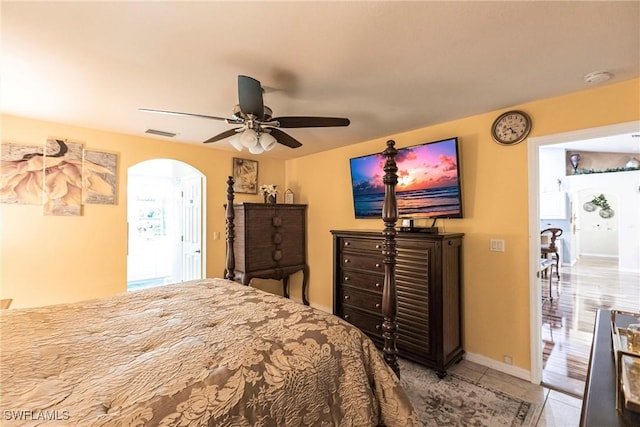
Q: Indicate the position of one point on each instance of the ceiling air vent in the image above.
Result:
(160, 133)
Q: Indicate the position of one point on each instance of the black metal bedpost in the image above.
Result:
(389, 252)
(230, 265)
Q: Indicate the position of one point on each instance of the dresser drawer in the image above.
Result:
(364, 300)
(362, 244)
(368, 262)
(357, 279)
(368, 323)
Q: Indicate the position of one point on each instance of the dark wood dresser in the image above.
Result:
(270, 243)
(428, 281)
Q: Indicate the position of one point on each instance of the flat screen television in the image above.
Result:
(428, 182)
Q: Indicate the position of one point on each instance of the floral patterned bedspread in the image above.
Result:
(209, 352)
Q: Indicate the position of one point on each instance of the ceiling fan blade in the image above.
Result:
(311, 122)
(176, 113)
(223, 135)
(285, 139)
(250, 96)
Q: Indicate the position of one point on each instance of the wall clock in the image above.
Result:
(511, 127)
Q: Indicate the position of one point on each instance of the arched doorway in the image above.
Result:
(164, 215)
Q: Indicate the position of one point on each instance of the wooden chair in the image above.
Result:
(545, 265)
(548, 247)
(5, 303)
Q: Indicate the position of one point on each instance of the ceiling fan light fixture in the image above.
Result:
(256, 149)
(267, 142)
(259, 130)
(235, 142)
(249, 138)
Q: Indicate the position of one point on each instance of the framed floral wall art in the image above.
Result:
(21, 173)
(60, 176)
(99, 171)
(245, 176)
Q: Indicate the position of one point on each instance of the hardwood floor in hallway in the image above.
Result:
(568, 319)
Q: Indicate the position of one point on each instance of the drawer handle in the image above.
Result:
(378, 246)
(377, 305)
(346, 261)
(377, 265)
(378, 327)
(346, 278)
(346, 316)
(347, 243)
(346, 297)
(378, 285)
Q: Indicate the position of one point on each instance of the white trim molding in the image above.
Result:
(514, 371)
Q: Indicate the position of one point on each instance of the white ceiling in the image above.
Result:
(389, 66)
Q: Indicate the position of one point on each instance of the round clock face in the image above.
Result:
(511, 127)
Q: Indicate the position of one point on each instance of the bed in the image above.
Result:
(210, 352)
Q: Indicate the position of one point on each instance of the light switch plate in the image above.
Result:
(497, 245)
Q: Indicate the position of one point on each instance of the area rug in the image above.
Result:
(457, 401)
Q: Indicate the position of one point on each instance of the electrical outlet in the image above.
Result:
(507, 359)
(497, 245)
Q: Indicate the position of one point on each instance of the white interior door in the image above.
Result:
(191, 212)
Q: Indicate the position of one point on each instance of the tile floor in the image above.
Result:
(558, 409)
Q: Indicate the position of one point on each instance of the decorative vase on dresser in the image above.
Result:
(428, 281)
(270, 243)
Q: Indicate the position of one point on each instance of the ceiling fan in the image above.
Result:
(259, 130)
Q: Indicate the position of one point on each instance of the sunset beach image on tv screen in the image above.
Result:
(428, 182)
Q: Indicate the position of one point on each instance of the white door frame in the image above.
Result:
(535, 293)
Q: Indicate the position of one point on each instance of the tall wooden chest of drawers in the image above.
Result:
(428, 281)
(270, 243)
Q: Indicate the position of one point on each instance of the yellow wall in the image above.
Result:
(52, 259)
(495, 191)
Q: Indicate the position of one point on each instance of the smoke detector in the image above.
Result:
(597, 77)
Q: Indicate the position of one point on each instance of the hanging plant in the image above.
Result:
(601, 202)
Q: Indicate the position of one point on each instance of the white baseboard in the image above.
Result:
(499, 366)
(609, 256)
